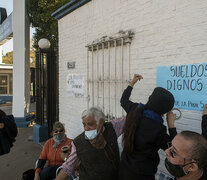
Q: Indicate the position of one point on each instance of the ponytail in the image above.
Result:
(132, 123)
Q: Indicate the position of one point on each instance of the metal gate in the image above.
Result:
(46, 88)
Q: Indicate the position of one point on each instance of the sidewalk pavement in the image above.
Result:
(23, 154)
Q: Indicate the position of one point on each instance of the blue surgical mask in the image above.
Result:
(91, 134)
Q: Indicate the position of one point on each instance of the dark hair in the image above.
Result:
(58, 125)
(2, 113)
(198, 151)
(132, 123)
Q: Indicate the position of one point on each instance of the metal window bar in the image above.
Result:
(122, 68)
(109, 112)
(92, 77)
(88, 98)
(120, 42)
(115, 78)
(97, 55)
(103, 77)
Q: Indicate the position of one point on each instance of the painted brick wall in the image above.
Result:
(166, 33)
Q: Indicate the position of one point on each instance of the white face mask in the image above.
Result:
(91, 134)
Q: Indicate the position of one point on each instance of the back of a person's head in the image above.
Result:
(94, 112)
(198, 150)
(2, 113)
(161, 101)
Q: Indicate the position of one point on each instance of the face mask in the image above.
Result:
(91, 134)
(175, 170)
(59, 136)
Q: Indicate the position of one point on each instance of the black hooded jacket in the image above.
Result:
(149, 138)
(7, 134)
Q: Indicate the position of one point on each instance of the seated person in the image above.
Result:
(8, 132)
(186, 156)
(52, 153)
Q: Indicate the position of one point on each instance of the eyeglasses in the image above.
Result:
(58, 131)
(173, 154)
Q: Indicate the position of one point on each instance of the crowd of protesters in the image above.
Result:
(94, 154)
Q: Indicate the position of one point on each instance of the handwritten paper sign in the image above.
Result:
(75, 85)
(188, 84)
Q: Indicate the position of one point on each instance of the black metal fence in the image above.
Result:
(46, 88)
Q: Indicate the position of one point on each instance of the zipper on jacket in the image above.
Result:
(55, 156)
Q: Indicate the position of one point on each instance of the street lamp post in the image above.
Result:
(44, 43)
(46, 105)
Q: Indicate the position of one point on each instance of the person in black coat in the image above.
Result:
(8, 132)
(144, 133)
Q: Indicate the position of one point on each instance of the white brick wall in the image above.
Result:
(166, 33)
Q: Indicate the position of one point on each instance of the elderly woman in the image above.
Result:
(52, 153)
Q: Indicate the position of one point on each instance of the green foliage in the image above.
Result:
(8, 58)
(32, 56)
(40, 18)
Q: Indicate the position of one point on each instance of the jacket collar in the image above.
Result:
(151, 114)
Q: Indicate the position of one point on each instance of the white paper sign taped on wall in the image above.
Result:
(75, 85)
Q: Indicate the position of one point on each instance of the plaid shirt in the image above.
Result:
(73, 161)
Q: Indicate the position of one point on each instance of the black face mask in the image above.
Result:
(175, 170)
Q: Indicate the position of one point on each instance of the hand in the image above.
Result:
(135, 79)
(62, 175)
(205, 109)
(64, 155)
(77, 172)
(37, 177)
(171, 117)
(1, 125)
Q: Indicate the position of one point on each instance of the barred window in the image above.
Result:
(108, 72)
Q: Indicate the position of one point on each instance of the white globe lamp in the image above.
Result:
(44, 43)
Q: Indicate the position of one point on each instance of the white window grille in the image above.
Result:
(108, 72)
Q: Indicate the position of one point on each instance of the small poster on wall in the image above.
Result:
(75, 85)
(188, 84)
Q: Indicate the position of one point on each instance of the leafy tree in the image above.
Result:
(40, 18)
(8, 58)
(32, 55)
